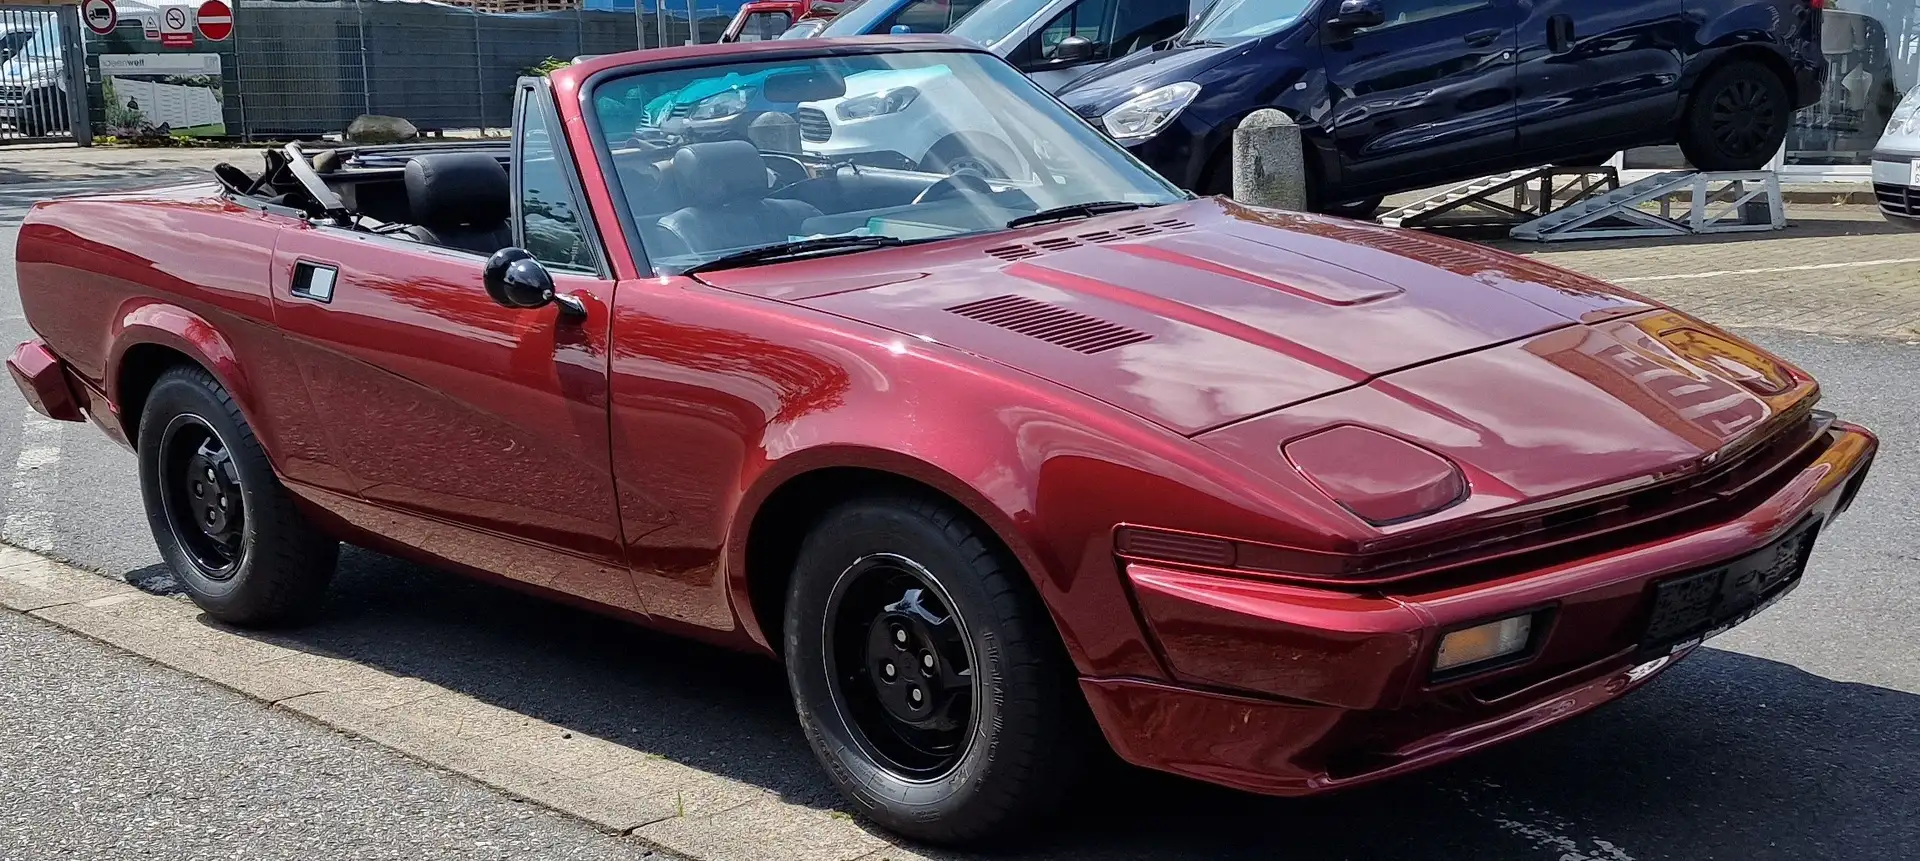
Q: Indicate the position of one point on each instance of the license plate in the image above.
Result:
(1916, 173)
(1692, 608)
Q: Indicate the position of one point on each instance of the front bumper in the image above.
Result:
(1290, 690)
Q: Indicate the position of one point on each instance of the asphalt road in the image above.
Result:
(1795, 736)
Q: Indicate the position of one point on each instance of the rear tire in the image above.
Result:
(1736, 118)
(222, 520)
(890, 597)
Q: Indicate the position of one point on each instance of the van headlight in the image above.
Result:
(877, 104)
(1906, 117)
(1144, 115)
(720, 106)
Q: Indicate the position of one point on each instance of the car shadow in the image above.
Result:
(1728, 755)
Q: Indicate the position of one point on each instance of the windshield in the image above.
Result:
(1230, 20)
(993, 20)
(30, 46)
(858, 19)
(886, 147)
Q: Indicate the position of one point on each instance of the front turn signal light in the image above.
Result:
(1483, 644)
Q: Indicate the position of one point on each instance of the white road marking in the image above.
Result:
(1811, 267)
(35, 476)
(1569, 848)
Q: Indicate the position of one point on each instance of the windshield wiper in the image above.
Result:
(798, 248)
(1075, 210)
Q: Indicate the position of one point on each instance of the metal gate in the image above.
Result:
(43, 89)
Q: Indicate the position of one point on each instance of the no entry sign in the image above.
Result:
(215, 18)
(100, 16)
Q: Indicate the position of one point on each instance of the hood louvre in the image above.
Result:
(1050, 323)
(1023, 251)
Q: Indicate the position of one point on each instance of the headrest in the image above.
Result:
(719, 173)
(775, 132)
(458, 189)
(645, 187)
(803, 85)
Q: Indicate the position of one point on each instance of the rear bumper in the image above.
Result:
(1289, 690)
(45, 382)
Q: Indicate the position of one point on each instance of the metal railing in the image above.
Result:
(42, 81)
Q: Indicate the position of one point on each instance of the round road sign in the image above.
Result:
(215, 18)
(100, 16)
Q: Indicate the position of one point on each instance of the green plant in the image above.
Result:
(544, 66)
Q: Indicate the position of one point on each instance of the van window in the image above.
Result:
(1139, 23)
(1401, 12)
(761, 26)
(1087, 19)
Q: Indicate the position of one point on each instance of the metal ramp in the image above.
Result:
(1507, 199)
(1719, 202)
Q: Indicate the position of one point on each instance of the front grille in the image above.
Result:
(680, 110)
(814, 125)
(1898, 199)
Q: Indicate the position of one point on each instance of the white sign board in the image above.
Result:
(176, 27)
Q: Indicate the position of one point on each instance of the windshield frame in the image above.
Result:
(802, 50)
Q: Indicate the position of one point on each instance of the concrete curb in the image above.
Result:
(668, 806)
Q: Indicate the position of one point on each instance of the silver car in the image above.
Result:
(1896, 164)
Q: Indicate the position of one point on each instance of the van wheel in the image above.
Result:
(1736, 119)
(925, 674)
(222, 520)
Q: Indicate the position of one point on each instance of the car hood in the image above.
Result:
(1138, 73)
(1198, 315)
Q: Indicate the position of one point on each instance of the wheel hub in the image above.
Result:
(204, 501)
(904, 646)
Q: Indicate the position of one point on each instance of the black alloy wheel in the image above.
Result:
(230, 532)
(927, 674)
(1737, 118)
(201, 493)
(902, 666)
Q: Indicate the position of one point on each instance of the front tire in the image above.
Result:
(925, 675)
(226, 527)
(1736, 118)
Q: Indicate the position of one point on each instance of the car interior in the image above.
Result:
(696, 190)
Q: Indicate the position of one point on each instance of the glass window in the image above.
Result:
(929, 16)
(1087, 19)
(909, 146)
(1232, 20)
(761, 26)
(550, 223)
(1139, 23)
(994, 20)
(1872, 49)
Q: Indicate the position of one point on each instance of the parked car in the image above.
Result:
(882, 120)
(1896, 164)
(1396, 95)
(762, 20)
(33, 75)
(1278, 501)
(807, 28)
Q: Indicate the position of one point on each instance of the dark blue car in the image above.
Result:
(1396, 95)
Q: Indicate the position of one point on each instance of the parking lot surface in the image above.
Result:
(1796, 736)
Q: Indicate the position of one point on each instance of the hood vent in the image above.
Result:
(1011, 253)
(1050, 323)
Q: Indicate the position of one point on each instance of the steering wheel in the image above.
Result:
(948, 186)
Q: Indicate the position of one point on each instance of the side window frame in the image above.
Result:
(536, 95)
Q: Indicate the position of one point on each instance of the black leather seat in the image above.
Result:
(724, 186)
(460, 200)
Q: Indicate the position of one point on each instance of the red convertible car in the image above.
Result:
(1276, 501)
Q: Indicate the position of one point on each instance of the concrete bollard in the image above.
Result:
(1269, 164)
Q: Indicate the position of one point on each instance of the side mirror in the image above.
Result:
(1354, 14)
(1073, 49)
(516, 280)
(899, 30)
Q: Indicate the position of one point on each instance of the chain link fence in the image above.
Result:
(303, 68)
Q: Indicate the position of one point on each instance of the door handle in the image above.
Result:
(1480, 38)
(1560, 34)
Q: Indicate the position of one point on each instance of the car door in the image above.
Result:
(1429, 89)
(1593, 71)
(474, 432)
